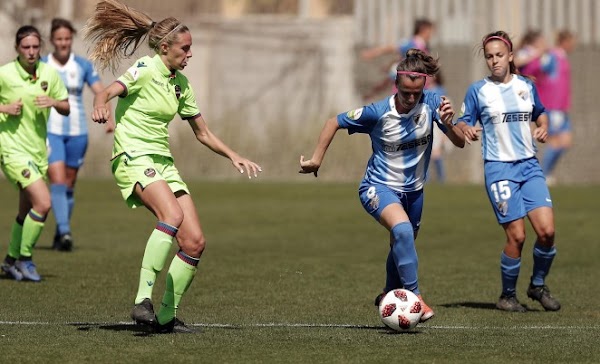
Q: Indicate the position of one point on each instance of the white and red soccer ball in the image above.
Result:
(400, 310)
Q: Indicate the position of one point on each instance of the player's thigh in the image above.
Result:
(56, 148)
(383, 204)
(24, 171)
(190, 236)
(506, 200)
(75, 149)
(38, 195)
(158, 198)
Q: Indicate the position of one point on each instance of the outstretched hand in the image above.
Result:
(308, 166)
(246, 166)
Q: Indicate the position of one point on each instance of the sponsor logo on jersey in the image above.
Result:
(354, 114)
(150, 172)
(44, 85)
(514, 117)
(408, 145)
(141, 64)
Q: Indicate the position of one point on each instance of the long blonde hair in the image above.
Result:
(116, 31)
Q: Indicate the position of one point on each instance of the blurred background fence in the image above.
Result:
(268, 73)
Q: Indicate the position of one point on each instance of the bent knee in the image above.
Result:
(193, 245)
(546, 237)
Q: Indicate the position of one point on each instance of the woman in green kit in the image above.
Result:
(28, 90)
(150, 94)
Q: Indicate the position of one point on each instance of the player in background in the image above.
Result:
(505, 104)
(422, 33)
(150, 94)
(28, 90)
(401, 131)
(435, 84)
(552, 74)
(68, 135)
(531, 48)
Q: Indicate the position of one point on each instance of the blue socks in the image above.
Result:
(509, 270)
(405, 256)
(551, 156)
(70, 201)
(542, 261)
(392, 279)
(60, 206)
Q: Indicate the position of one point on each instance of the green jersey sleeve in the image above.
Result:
(187, 103)
(135, 77)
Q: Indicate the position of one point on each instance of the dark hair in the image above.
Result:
(530, 37)
(418, 61)
(117, 31)
(58, 23)
(421, 24)
(505, 38)
(26, 31)
(564, 35)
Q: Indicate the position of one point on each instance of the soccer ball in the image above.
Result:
(400, 310)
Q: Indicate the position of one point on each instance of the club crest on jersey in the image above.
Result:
(419, 119)
(44, 85)
(354, 114)
(523, 94)
(150, 172)
(177, 91)
(502, 207)
(26, 173)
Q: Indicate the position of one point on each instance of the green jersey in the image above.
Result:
(25, 134)
(153, 95)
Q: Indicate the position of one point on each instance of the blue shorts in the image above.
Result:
(558, 122)
(515, 188)
(68, 149)
(376, 197)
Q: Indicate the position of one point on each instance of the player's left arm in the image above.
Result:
(206, 137)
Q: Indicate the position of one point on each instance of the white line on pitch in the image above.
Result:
(308, 325)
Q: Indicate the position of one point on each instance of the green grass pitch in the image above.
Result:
(289, 276)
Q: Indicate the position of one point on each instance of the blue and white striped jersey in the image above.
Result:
(76, 73)
(401, 142)
(505, 111)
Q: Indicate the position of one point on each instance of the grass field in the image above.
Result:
(289, 275)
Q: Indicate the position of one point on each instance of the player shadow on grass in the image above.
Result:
(479, 305)
(138, 330)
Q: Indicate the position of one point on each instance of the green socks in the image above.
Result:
(31, 230)
(155, 256)
(181, 273)
(14, 246)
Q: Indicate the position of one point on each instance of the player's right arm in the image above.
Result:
(101, 113)
(313, 164)
(14, 108)
(469, 114)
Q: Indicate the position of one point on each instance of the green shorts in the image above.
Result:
(22, 171)
(144, 170)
